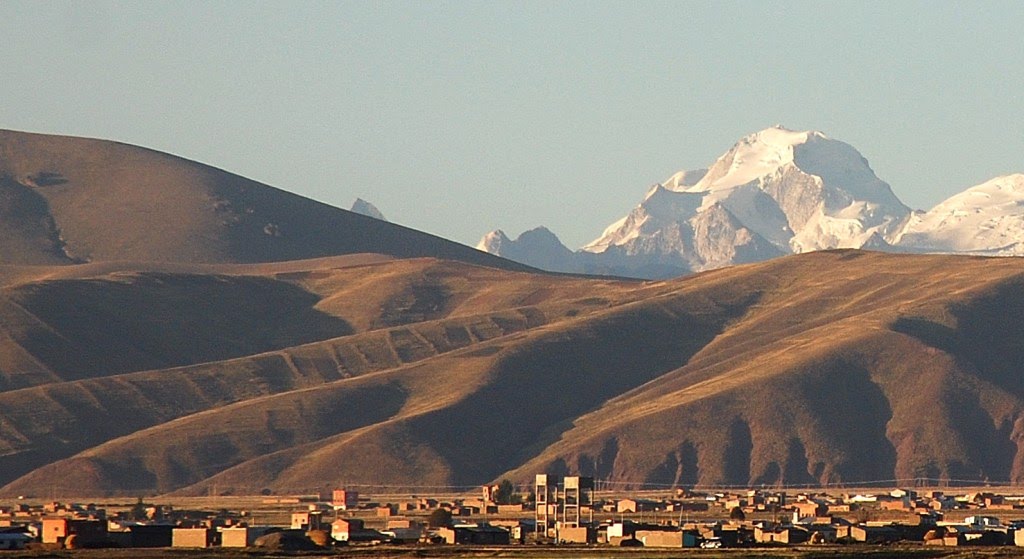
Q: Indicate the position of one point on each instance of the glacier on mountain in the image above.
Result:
(775, 192)
(778, 192)
(987, 219)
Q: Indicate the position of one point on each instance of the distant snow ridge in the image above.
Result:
(363, 207)
(987, 219)
(775, 192)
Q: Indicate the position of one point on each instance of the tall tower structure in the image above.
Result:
(576, 492)
(546, 500)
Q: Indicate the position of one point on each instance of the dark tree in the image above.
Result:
(439, 518)
(138, 511)
(506, 493)
(737, 514)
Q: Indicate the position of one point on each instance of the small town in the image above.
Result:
(563, 511)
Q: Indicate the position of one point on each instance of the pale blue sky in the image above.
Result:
(459, 117)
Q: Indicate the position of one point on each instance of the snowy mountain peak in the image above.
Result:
(984, 219)
(780, 191)
(363, 207)
(754, 156)
(493, 242)
(538, 237)
(794, 191)
(538, 247)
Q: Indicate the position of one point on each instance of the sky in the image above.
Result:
(457, 118)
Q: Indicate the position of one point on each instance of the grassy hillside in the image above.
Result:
(882, 368)
(166, 326)
(234, 333)
(821, 368)
(66, 200)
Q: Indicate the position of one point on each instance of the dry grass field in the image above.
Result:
(431, 373)
(67, 200)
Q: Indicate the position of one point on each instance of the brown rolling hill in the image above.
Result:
(830, 367)
(66, 200)
(170, 327)
(84, 350)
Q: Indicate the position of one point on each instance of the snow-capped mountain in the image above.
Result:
(775, 192)
(779, 192)
(537, 247)
(986, 219)
(363, 207)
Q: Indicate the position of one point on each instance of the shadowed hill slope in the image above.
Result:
(123, 322)
(821, 368)
(65, 200)
(359, 314)
(477, 387)
(883, 368)
(76, 322)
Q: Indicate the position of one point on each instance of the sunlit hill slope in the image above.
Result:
(68, 200)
